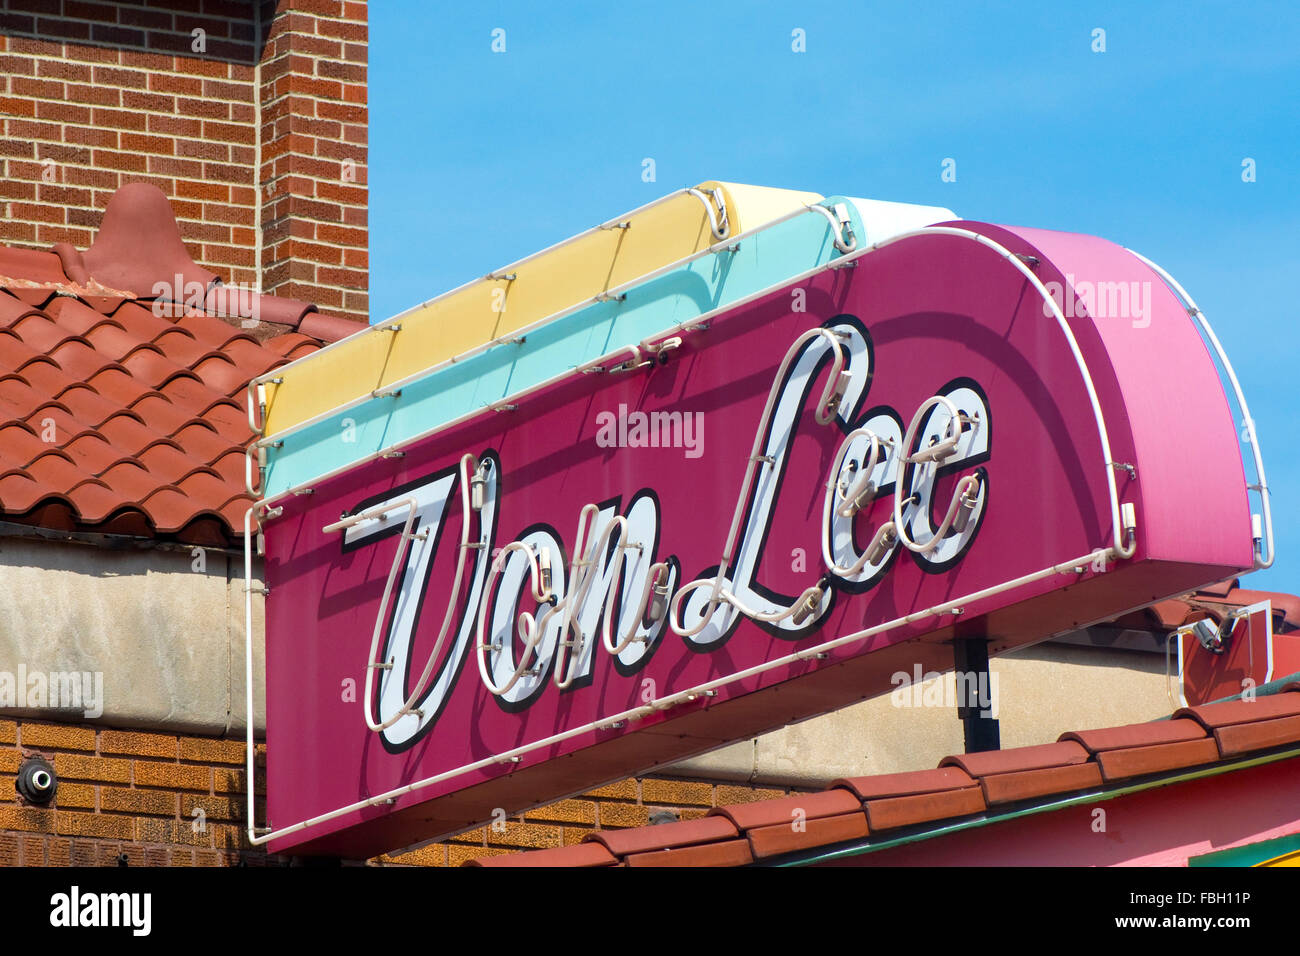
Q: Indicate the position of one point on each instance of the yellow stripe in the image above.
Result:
(565, 276)
(1286, 859)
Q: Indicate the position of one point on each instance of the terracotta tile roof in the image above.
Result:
(724, 853)
(1159, 758)
(581, 854)
(1137, 735)
(964, 786)
(1211, 602)
(122, 388)
(665, 836)
(1227, 713)
(1002, 788)
(1060, 754)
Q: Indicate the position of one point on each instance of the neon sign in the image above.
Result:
(896, 450)
(616, 583)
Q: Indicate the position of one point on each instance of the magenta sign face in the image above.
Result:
(760, 520)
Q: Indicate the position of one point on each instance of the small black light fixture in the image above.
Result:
(1215, 638)
(36, 782)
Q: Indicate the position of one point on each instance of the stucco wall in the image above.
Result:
(164, 628)
(1042, 692)
(168, 638)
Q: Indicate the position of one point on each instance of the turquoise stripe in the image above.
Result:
(764, 259)
(1251, 854)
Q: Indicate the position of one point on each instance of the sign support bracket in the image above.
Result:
(970, 657)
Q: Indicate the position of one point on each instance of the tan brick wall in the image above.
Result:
(126, 794)
(133, 794)
(627, 803)
(102, 94)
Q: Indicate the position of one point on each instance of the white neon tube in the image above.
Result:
(700, 322)
(250, 769)
(581, 575)
(1121, 549)
(258, 837)
(851, 495)
(582, 569)
(837, 228)
(719, 224)
(380, 513)
(725, 245)
(493, 276)
(1265, 559)
(526, 625)
(934, 453)
(467, 464)
(630, 638)
(248, 470)
(825, 414)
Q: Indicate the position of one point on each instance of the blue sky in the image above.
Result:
(478, 158)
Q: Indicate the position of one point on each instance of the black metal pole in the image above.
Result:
(974, 694)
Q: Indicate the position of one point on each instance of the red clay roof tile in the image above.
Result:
(665, 835)
(32, 296)
(725, 853)
(75, 315)
(1139, 761)
(11, 310)
(1137, 735)
(1211, 716)
(92, 454)
(737, 835)
(281, 311)
(1169, 615)
(30, 265)
(209, 330)
(284, 345)
(1028, 784)
(785, 838)
(903, 784)
(1021, 758)
(132, 481)
(94, 500)
(1257, 735)
(581, 854)
(1286, 606)
(327, 328)
(139, 246)
(808, 806)
(223, 376)
(144, 324)
(20, 442)
(890, 812)
(143, 398)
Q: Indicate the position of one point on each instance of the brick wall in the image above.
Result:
(125, 794)
(94, 95)
(627, 803)
(314, 139)
(132, 794)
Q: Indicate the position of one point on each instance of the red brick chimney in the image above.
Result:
(251, 118)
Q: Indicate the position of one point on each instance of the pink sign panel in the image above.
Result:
(744, 523)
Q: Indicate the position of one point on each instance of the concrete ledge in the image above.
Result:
(162, 629)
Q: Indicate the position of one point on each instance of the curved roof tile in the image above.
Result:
(143, 399)
(928, 801)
